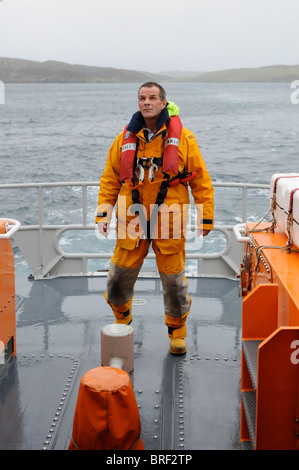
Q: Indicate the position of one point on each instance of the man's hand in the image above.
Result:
(104, 228)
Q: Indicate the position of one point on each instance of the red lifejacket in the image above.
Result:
(170, 157)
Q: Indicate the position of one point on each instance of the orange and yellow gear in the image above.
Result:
(123, 271)
(133, 238)
(112, 190)
(170, 157)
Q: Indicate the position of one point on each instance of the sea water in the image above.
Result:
(63, 132)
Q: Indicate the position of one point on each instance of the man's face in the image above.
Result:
(150, 103)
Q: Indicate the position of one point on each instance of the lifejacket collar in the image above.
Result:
(130, 144)
(137, 121)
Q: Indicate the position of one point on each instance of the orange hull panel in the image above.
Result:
(270, 343)
(7, 293)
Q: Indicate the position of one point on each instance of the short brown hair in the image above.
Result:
(152, 84)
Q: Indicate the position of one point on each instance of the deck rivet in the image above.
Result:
(155, 437)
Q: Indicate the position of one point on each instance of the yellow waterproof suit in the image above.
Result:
(168, 235)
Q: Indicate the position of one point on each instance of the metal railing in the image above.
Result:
(40, 243)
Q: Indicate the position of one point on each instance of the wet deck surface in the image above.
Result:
(185, 403)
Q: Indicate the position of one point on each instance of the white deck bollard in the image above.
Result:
(117, 347)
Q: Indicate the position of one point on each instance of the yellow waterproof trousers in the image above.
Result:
(123, 272)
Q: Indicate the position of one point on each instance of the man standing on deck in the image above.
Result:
(147, 173)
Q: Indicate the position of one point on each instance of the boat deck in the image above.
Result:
(185, 403)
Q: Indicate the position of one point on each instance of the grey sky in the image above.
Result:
(159, 35)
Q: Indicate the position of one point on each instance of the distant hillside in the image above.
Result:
(29, 71)
(273, 73)
(180, 75)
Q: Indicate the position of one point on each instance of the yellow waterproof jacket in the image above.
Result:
(172, 220)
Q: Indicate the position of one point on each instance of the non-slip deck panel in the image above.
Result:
(185, 403)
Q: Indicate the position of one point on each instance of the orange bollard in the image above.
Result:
(106, 415)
